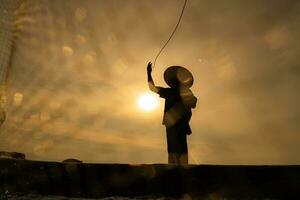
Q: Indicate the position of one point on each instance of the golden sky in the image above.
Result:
(79, 68)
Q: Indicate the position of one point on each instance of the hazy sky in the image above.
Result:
(80, 66)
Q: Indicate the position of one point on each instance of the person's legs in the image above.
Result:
(178, 159)
(177, 145)
(183, 158)
(173, 158)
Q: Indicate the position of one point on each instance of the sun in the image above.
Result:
(148, 102)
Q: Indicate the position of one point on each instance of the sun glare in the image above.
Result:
(148, 102)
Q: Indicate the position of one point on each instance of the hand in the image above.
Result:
(149, 68)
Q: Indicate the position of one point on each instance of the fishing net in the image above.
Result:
(7, 24)
(65, 82)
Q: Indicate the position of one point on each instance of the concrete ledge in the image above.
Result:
(103, 180)
(12, 155)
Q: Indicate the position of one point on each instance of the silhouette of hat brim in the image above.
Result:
(177, 76)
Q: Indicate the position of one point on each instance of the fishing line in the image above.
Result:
(181, 14)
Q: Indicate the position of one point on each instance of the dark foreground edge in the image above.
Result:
(103, 180)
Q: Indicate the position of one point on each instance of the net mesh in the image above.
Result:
(64, 70)
(7, 30)
(71, 73)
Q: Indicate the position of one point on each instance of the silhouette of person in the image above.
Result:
(179, 101)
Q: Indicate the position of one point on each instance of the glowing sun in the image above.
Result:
(148, 102)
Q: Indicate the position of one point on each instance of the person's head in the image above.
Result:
(177, 76)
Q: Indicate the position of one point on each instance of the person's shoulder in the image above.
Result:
(164, 92)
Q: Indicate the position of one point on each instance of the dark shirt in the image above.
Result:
(178, 105)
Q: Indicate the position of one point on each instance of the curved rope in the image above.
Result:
(182, 11)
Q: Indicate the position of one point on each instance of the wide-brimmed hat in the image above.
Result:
(177, 76)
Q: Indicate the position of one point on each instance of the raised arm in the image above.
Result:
(151, 84)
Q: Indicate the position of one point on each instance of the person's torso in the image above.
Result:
(175, 110)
